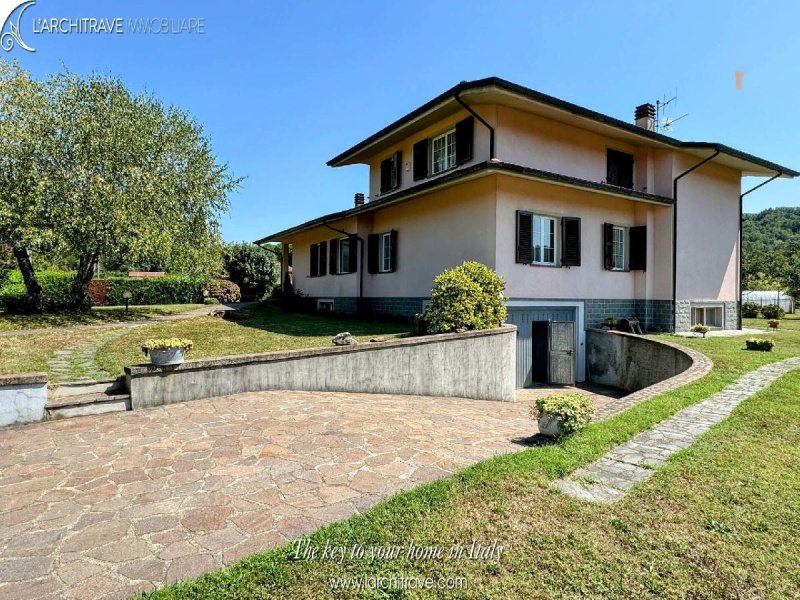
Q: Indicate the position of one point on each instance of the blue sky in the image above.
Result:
(282, 87)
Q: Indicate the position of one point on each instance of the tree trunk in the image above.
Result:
(25, 264)
(80, 287)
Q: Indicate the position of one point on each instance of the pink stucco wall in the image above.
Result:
(590, 280)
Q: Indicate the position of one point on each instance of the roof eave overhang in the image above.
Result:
(474, 172)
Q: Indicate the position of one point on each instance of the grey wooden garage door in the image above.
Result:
(523, 318)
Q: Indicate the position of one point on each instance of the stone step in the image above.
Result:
(87, 404)
(67, 390)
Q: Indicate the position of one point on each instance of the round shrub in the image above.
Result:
(772, 311)
(255, 270)
(225, 291)
(574, 411)
(750, 310)
(469, 296)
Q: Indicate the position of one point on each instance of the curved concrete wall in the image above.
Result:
(475, 364)
(631, 362)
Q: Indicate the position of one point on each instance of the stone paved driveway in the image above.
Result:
(105, 506)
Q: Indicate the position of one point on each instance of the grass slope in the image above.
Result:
(257, 329)
(719, 520)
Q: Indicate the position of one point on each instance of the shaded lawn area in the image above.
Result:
(97, 315)
(720, 519)
(256, 329)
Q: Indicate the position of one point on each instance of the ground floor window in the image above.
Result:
(711, 316)
(620, 253)
(544, 240)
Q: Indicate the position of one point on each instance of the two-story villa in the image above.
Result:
(585, 216)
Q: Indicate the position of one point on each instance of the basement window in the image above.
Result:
(325, 306)
(711, 316)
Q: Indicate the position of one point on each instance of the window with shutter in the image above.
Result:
(619, 168)
(421, 159)
(352, 259)
(524, 237)
(464, 136)
(570, 242)
(323, 257)
(386, 175)
(443, 152)
(637, 260)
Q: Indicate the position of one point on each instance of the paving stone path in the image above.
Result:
(105, 506)
(610, 477)
(77, 363)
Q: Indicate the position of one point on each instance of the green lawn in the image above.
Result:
(97, 315)
(719, 520)
(257, 329)
(29, 353)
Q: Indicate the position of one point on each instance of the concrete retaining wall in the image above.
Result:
(631, 362)
(22, 398)
(475, 364)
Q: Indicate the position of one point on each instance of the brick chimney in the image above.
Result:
(359, 199)
(646, 116)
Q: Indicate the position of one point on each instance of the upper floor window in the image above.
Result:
(443, 152)
(446, 151)
(619, 168)
(390, 172)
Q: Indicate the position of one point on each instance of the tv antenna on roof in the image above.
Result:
(663, 121)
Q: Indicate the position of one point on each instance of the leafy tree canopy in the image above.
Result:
(101, 171)
(771, 250)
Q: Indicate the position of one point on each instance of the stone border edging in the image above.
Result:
(700, 367)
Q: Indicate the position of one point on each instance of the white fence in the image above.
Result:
(762, 297)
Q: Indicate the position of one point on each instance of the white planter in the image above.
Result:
(549, 425)
(167, 356)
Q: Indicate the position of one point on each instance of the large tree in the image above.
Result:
(25, 225)
(118, 175)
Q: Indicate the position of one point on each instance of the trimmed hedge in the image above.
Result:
(57, 291)
(170, 289)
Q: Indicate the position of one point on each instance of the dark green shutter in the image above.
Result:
(570, 242)
(334, 256)
(397, 169)
(386, 175)
(421, 159)
(464, 134)
(353, 266)
(524, 237)
(323, 257)
(314, 267)
(638, 248)
(373, 247)
(393, 255)
(608, 246)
